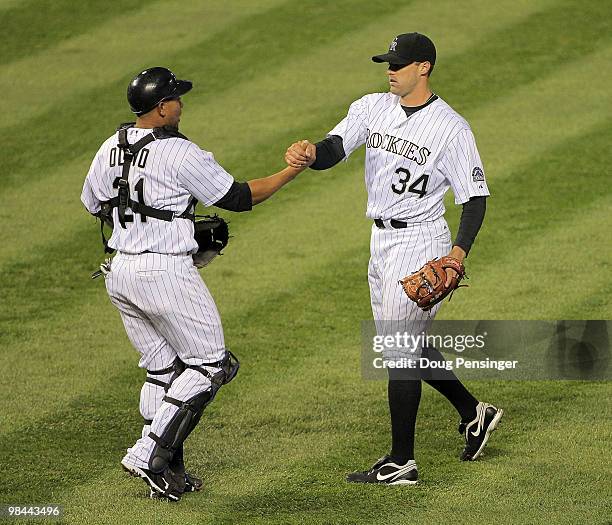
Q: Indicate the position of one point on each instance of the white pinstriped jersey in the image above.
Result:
(165, 174)
(412, 161)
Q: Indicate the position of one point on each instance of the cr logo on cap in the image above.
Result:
(393, 44)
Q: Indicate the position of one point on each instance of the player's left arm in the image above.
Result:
(88, 196)
(204, 178)
(472, 217)
(463, 169)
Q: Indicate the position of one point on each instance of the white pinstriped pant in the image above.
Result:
(394, 254)
(167, 311)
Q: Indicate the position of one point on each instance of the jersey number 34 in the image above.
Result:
(419, 186)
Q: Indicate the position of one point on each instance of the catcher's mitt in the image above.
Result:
(212, 235)
(427, 287)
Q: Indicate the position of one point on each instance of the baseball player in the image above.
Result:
(417, 147)
(149, 175)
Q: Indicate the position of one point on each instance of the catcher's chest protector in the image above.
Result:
(123, 201)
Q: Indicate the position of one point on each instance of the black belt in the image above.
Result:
(394, 224)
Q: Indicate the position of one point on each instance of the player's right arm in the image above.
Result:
(350, 133)
(320, 156)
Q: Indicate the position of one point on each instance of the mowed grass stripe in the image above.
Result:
(72, 444)
(216, 69)
(597, 302)
(261, 141)
(527, 476)
(544, 191)
(194, 47)
(33, 26)
(9, 4)
(524, 52)
(437, 443)
(332, 84)
(111, 53)
(212, 63)
(543, 113)
(538, 201)
(549, 274)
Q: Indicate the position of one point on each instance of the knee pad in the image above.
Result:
(228, 366)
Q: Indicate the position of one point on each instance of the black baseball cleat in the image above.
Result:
(192, 484)
(476, 433)
(165, 485)
(177, 465)
(386, 472)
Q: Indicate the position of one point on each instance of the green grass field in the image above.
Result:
(533, 79)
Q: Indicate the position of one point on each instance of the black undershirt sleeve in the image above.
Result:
(471, 219)
(330, 151)
(237, 198)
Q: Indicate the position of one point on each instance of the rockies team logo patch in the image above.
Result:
(477, 174)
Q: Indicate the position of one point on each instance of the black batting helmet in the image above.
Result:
(152, 86)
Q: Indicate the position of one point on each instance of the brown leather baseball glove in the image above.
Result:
(427, 287)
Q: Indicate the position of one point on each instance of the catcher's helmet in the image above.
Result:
(152, 86)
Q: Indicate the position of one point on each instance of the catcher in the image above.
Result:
(144, 182)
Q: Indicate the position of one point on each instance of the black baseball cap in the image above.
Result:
(408, 48)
